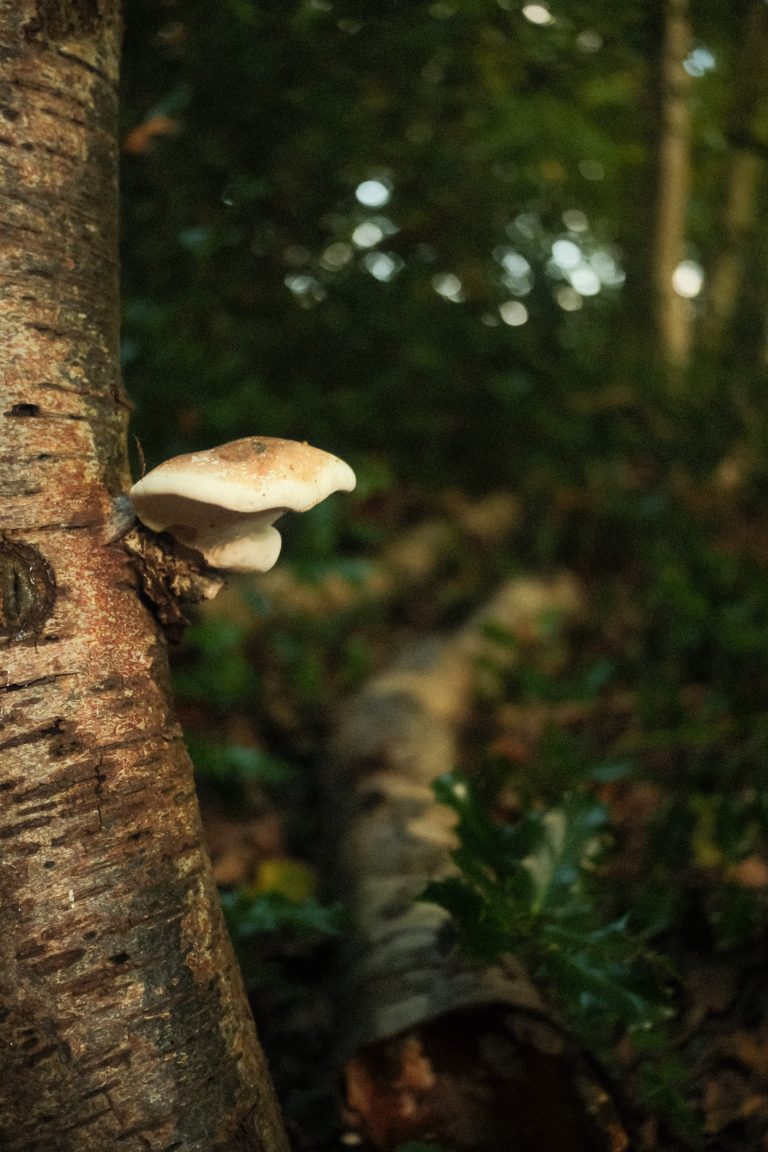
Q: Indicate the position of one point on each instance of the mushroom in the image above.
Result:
(223, 502)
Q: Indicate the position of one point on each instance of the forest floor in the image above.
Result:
(628, 714)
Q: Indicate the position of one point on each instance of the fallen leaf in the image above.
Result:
(144, 136)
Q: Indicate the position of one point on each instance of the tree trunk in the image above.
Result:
(742, 181)
(123, 1022)
(670, 313)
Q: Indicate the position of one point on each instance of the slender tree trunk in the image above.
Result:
(123, 1022)
(670, 313)
(742, 180)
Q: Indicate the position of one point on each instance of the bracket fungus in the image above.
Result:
(223, 502)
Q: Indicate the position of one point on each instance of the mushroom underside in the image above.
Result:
(235, 541)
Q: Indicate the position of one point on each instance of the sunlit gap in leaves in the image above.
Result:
(575, 262)
(373, 193)
(688, 279)
(579, 266)
(513, 313)
(699, 62)
(307, 280)
(449, 286)
(538, 14)
(382, 266)
(367, 234)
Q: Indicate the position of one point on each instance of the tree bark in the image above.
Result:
(123, 1021)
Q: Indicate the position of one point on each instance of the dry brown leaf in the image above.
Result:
(143, 137)
(750, 873)
(721, 1101)
(749, 1050)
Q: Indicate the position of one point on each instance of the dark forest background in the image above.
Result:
(486, 248)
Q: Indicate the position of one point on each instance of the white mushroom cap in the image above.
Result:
(224, 501)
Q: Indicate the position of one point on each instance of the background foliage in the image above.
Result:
(420, 235)
(261, 293)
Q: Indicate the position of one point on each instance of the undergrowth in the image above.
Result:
(531, 888)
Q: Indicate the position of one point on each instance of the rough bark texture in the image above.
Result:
(123, 1023)
(439, 1048)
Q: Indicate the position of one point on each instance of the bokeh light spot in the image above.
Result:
(373, 193)
(538, 14)
(688, 279)
(367, 234)
(448, 285)
(513, 313)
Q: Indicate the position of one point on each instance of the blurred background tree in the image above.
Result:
(457, 241)
(489, 245)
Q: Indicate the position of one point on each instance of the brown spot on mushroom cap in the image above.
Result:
(248, 475)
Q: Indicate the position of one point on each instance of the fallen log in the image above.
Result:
(436, 1048)
(410, 561)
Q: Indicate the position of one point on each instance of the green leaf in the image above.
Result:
(238, 764)
(570, 837)
(272, 912)
(529, 888)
